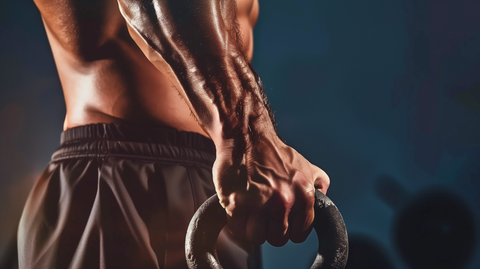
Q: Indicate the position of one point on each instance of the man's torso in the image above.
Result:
(105, 76)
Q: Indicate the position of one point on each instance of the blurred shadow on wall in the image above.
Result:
(441, 83)
(365, 252)
(434, 228)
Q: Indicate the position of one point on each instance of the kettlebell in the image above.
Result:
(210, 218)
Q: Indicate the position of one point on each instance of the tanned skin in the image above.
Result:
(185, 64)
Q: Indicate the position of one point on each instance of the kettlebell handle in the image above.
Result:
(210, 219)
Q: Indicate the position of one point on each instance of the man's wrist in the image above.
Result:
(238, 140)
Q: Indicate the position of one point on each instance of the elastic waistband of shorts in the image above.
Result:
(141, 142)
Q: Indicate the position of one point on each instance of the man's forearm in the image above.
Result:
(266, 187)
(196, 44)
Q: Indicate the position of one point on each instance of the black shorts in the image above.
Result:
(116, 196)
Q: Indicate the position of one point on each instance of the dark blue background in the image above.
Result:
(364, 89)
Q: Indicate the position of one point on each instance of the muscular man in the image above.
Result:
(148, 85)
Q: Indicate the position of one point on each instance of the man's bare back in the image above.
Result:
(105, 76)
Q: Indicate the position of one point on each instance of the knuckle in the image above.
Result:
(322, 181)
(287, 199)
(309, 198)
(326, 181)
(305, 197)
(282, 202)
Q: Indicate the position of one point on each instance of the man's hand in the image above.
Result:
(269, 193)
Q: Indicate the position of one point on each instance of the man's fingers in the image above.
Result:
(277, 234)
(302, 214)
(301, 226)
(273, 225)
(237, 214)
(321, 179)
(268, 210)
(256, 229)
(237, 223)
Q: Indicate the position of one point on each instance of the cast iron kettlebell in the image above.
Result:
(210, 219)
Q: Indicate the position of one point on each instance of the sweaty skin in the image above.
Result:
(185, 64)
(105, 76)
